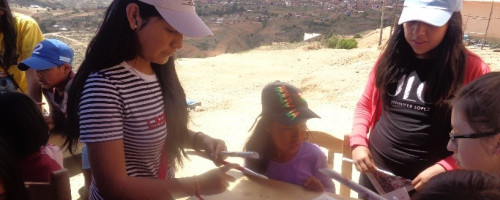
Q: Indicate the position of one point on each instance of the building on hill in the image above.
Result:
(475, 16)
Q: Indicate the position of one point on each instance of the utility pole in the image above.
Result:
(487, 26)
(381, 23)
(395, 18)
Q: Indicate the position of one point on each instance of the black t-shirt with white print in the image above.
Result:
(412, 133)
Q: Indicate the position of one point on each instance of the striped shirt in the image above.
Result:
(120, 103)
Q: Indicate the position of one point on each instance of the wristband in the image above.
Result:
(197, 189)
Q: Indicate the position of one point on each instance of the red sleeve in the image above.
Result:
(475, 67)
(448, 163)
(363, 114)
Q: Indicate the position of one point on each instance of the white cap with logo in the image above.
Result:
(181, 15)
(433, 12)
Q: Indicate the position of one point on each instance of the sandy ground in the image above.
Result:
(228, 87)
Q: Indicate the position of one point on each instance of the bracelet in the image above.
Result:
(197, 189)
(194, 140)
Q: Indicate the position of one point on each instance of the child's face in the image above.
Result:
(158, 40)
(472, 153)
(52, 77)
(423, 37)
(287, 139)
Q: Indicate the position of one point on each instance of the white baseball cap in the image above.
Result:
(181, 15)
(434, 12)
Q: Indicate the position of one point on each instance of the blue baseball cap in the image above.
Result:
(433, 12)
(47, 54)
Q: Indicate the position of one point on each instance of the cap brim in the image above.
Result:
(35, 63)
(188, 24)
(435, 17)
(304, 113)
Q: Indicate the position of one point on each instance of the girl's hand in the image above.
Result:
(426, 175)
(215, 181)
(313, 184)
(213, 147)
(363, 159)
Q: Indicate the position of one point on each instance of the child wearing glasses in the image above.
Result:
(475, 118)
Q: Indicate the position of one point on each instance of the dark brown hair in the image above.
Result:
(8, 28)
(22, 122)
(261, 142)
(479, 102)
(10, 175)
(447, 73)
(116, 42)
(460, 185)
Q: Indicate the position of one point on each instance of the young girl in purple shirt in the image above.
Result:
(279, 138)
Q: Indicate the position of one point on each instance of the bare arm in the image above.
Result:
(201, 141)
(108, 168)
(34, 88)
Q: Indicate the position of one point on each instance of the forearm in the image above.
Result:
(34, 88)
(144, 188)
(194, 140)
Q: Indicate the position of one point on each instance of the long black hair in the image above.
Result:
(449, 67)
(261, 142)
(22, 122)
(8, 28)
(10, 176)
(114, 43)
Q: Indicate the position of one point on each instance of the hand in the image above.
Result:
(213, 147)
(215, 181)
(426, 175)
(49, 121)
(363, 159)
(313, 184)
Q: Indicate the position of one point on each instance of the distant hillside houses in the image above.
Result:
(347, 4)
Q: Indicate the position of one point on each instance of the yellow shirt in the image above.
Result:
(28, 35)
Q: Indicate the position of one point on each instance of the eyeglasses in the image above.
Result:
(471, 135)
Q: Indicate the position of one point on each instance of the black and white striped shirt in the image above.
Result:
(120, 103)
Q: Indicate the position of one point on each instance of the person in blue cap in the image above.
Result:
(51, 59)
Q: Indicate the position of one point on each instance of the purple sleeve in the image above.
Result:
(325, 180)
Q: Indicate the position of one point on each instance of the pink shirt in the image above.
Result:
(369, 106)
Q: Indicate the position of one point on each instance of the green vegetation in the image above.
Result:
(347, 44)
(334, 42)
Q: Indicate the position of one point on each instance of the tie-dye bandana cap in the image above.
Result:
(285, 104)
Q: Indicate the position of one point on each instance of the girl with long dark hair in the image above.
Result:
(405, 105)
(127, 104)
